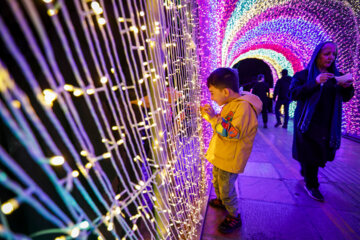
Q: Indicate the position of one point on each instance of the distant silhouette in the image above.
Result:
(282, 94)
(261, 89)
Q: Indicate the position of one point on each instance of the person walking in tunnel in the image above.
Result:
(231, 144)
(282, 93)
(261, 89)
(319, 91)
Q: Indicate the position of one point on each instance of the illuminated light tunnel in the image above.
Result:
(101, 136)
(282, 34)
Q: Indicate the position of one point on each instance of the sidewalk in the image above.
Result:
(274, 204)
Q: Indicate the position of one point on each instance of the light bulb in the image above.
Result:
(9, 206)
(68, 87)
(101, 21)
(78, 92)
(84, 225)
(88, 165)
(83, 153)
(110, 227)
(103, 80)
(75, 173)
(75, 232)
(57, 160)
(49, 97)
(134, 29)
(51, 12)
(90, 91)
(135, 227)
(16, 104)
(96, 7)
(60, 238)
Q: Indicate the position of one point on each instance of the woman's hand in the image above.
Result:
(345, 81)
(323, 77)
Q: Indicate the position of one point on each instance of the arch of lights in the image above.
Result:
(291, 28)
(275, 60)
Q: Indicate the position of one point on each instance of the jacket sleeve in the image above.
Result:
(347, 93)
(243, 120)
(214, 121)
(299, 88)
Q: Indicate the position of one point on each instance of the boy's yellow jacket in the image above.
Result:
(234, 133)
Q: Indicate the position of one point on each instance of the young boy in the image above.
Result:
(230, 147)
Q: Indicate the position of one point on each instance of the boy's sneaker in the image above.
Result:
(314, 193)
(230, 224)
(216, 203)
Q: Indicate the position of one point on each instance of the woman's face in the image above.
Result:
(326, 56)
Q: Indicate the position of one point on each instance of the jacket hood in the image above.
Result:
(254, 101)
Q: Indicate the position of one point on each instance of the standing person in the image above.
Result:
(231, 144)
(282, 94)
(319, 93)
(261, 89)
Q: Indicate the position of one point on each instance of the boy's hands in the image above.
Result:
(207, 110)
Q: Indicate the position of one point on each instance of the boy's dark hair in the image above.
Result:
(224, 78)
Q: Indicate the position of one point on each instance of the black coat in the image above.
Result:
(261, 89)
(282, 88)
(313, 145)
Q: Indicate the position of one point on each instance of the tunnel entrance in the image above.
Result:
(249, 69)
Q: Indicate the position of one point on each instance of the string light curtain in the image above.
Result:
(100, 132)
(282, 33)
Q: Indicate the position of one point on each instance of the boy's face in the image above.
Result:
(218, 95)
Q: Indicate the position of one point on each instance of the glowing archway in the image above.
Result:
(285, 28)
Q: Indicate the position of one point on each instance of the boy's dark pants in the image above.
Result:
(225, 189)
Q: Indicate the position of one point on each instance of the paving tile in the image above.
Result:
(258, 169)
(338, 199)
(262, 220)
(296, 188)
(288, 171)
(334, 225)
(352, 220)
(264, 189)
(334, 197)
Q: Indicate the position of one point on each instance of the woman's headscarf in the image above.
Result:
(313, 70)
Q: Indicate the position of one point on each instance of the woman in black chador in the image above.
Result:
(319, 92)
